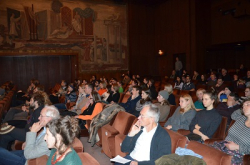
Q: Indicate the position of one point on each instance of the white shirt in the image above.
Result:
(141, 151)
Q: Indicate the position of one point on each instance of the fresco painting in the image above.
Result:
(96, 30)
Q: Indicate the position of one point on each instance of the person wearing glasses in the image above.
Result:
(247, 95)
(34, 146)
(237, 143)
(147, 140)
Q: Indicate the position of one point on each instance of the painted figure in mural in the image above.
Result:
(88, 50)
(76, 23)
(13, 26)
(92, 53)
(62, 32)
(104, 49)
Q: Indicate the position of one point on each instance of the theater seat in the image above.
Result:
(219, 135)
(118, 141)
(177, 140)
(210, 155)
(121, 125)
(172, 110)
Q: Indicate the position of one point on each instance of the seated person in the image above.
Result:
(130, 105)
(163, 105)
(212, 81)
(70, 96)
(183, 115)
(62, 131)
(205, 122)
(227, 108)
(133, 83)
(146, 99)
(196, 76)
(102, 88)
(169, 88)
(151, 87)
(88, 108)
(188, 85)
(220, 85)
(119, 83)
(63, 89)
(199, 104)
(224, 75)
(173, 74)
(114, 95)
(147, 140)
(247, 95)
(203, 80)
(178, 83)
(223, 95)
(37, 102)
(80, 103)
(240, 84)
(106, 94)
(34, 146)
(237, 143)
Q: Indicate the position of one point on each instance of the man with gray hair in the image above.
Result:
(147, 141)
(34, 146)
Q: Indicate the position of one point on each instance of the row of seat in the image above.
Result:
(6, 101)
(86, 158)
(113, 135)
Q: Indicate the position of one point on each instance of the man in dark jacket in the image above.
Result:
(147, 140)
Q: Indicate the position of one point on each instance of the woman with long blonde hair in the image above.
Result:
(183, 115)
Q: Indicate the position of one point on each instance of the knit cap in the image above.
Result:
(164, 94)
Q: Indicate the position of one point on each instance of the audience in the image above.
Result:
(146, 99)
(183, 115)
(102, 88)
(130, 105)
(223, 95)
(12, 133)
(188, 85)
(247, 95)
(171, 98)
(114, 94)
(152, 89)
(34, 145)
(147, 140)
(227, 108)
(224, 75)
(196, 76)
(199, 104)
(237, 141)
(178, 83)
(163, 105)
(205, 122)
(203, 80)
(59, 137)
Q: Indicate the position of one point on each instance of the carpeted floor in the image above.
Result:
(95, 151)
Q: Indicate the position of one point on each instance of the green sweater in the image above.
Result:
(70, 159)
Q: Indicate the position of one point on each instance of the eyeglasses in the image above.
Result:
(43, 116)
(144, 116)
(246, 104)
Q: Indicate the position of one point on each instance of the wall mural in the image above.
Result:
(97, 30)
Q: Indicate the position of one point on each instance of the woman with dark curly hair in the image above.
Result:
(60, 135)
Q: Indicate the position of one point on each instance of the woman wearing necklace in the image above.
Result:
(59, 136)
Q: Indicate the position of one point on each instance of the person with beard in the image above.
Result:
(10, 133)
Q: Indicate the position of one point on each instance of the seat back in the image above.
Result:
(177, 140)
(123, 122)
(172, 110)
(121, 97)
(125, 98)
(221, 130)
(210, 155)
(232, 123)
